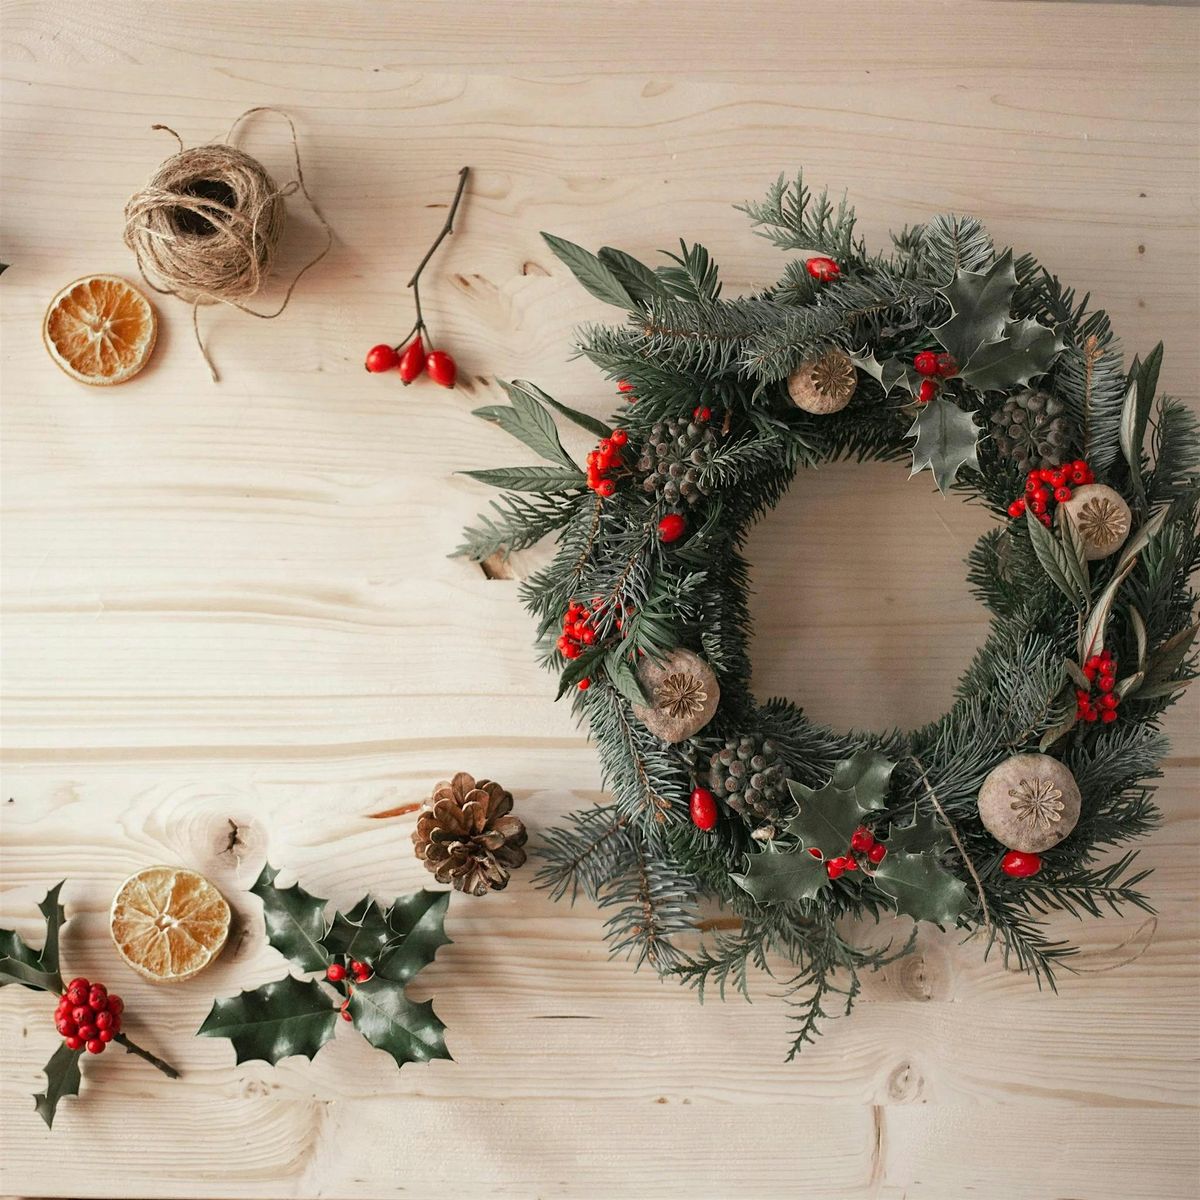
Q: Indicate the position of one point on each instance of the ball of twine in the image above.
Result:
(207, 225)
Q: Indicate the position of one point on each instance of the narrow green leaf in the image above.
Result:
(528, 422)
(295, 920)
(274, 1021)
(1139, 633)
(1055, 559)
(591, 424)
(623, 677)
(530, 479)
(637, 278)
(1130, 684)
(1131, 447)
(63, 1077)
(1156, 691)
(1170, 656)
(1078, 678)
(1076, 553)
(579, 668)
(783, 877)
(921, 888)
(591, 272)
(1059, 731)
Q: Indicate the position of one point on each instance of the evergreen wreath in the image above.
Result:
(1011, 391)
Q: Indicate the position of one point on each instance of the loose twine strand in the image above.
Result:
(208, 224)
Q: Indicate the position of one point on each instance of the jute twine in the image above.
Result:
(207, 225)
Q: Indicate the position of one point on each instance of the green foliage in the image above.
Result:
(684, 345)
(292, 1016)
(63, 1078)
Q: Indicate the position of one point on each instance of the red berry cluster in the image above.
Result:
(87, 1016)
(412, 360)
(1101, 672)
(822, 269)
(1045, 485)
(862, 843)
(932, 367)
(336, 972)
(578, 632)
(607, 457)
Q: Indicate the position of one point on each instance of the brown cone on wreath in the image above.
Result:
(683, 693)
(747, 774)
(468, 837)
(823, 385)
(671, 462)
(1031, 430)
(1101, 518)
(1030, 802)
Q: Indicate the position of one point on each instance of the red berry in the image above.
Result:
(702, 413)
(607, 488)
(1108, 715)
(94, 1045)
(356, 966)
(823, 270)
(1106, 683)
(1037, 505)
(412, 361)
(81, 1014)
(106, 1036)
(67, 1027)
(619, 437)
(1045, 519)
(77, 995)
(1021, 865)
(335, 973)
(443, 370)
(876, 853)
(72, 1043)
(671, 528)
(572, 651)
(861, 840)
(1031, 484)
(116, 1005)
(927, 391)
(1016, 508)
(814, 852)
(849, 863)
(926, 363)
(1062, 494)
(702, 808)
(834, 867)
(381, 358)
(98, 996)
(946, 365)
(1109, 700)
(346, 1015)
(104, 1020)
(88, 1030)
(363, 973)
(80, 984)
(584, 684)
(623, 385)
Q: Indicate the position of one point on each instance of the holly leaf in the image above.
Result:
(888, 373)
(867, 774)
(62, 1079)
(274, 1021)
(20, 963)
(827, 818)
(777, 877)
(19, 970)
(591, 271)
(55, 915)
(416, 924)
(921, 888)
(947, 440)
(361, 933)
(980, 302)
(295, 920)
(530, 479)
(1024, 350)
(925, 833)
(390, 1021)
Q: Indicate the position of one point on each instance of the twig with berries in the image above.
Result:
(88, 1017)
(410, 355)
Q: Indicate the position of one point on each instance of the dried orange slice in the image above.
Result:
(100, 329)
(169, 923)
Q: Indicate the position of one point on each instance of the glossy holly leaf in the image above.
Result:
(416, 924)
(924, 833)
(62, 1079)
(295, 920)
(361, 933)
(980, 301)
(591, 271)
(947, 440)
(827, 818)
(390, 1021)
(55, 916)
(1023, 351)
(866, 773)
(778, 877)
(274, 1021)
(35, 969)
(921, 888)
(19, 970)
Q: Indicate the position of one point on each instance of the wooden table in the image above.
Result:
(232, 628)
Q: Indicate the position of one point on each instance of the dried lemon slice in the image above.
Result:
(169, 923)
(100, 329)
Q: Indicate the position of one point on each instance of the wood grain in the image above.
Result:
(231, 627)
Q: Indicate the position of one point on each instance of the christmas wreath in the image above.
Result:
(1005, 385)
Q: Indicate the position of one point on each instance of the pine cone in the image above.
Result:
(467, 836)
(672, 458)
(747, 774)
(1030, 429)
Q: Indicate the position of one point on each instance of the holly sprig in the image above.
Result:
(366, 956)
(40, 971)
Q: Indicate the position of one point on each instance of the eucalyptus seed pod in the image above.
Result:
(671, 462)
(1031, 430)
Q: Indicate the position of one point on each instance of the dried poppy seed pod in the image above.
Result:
(1101, 516)
(467, 835)
(683, 694)
(823, 385)
(1029, 802)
